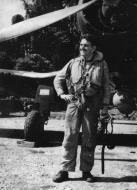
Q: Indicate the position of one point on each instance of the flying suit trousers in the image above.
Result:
(74, 120)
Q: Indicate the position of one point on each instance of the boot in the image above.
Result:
(60, 176)
(88, 177)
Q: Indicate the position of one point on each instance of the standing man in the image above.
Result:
(86, 79)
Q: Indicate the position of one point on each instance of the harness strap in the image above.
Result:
(83, 80)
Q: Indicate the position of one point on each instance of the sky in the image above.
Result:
(8, 8)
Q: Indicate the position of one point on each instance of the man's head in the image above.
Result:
(87, 46)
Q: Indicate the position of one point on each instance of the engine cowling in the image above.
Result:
(114, 25)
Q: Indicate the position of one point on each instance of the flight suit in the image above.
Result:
(90, 88)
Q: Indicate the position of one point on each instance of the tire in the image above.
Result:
(34, 126)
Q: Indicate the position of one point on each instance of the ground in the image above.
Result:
(28, 168)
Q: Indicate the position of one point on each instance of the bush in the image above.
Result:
(34, 62)
(5, 61)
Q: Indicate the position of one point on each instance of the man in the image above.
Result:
(87, 80)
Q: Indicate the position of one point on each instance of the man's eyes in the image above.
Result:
(85, 45)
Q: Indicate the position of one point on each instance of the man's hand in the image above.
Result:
(104, 113)
(67, 97)
(104, 110)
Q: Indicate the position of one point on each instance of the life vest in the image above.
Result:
(83, 84)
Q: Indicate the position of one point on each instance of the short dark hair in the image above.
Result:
(92, 39)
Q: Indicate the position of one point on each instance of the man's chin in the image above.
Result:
(82, 54)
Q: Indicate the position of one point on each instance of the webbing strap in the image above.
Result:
(82, 80)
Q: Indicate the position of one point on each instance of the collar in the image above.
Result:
(93, 57)
(98, 56)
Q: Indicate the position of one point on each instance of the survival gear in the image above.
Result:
(81, 89)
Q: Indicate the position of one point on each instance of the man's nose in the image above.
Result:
(83, 46)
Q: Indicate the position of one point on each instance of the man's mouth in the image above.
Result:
(83, 50)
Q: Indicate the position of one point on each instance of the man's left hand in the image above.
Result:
(104, 112)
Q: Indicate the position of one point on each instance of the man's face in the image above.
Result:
(86, 48)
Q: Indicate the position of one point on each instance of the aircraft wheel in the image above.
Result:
(34, 126)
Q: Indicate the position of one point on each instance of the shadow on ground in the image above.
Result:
(49, 138)
(11, 133)
(128, 179)
(56, 137)
(116, 180)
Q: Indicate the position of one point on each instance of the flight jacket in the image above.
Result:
(97, 75)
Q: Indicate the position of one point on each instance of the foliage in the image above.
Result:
(44, 50)
(5, 61)
(55, 42)
(17, 18)
(33, 62)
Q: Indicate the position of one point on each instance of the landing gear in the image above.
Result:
(39, 115)
(34, 126)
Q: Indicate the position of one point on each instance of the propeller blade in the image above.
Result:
(28, 74)
(39, 22)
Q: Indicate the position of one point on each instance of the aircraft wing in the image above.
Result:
(39, 22)
(28, 74)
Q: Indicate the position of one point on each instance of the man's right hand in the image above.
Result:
(67, 97)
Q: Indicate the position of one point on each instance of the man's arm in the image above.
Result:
(60, 80)
(106, 92)
(60, 83)
(106, 87)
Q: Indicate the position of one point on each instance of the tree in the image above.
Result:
(55, 42)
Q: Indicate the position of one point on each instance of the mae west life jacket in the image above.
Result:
(84, 85)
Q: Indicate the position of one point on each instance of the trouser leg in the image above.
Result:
(70, 142)
(89, 132)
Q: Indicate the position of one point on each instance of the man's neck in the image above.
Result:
(90, 58)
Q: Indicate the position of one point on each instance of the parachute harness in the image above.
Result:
(78, 87)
